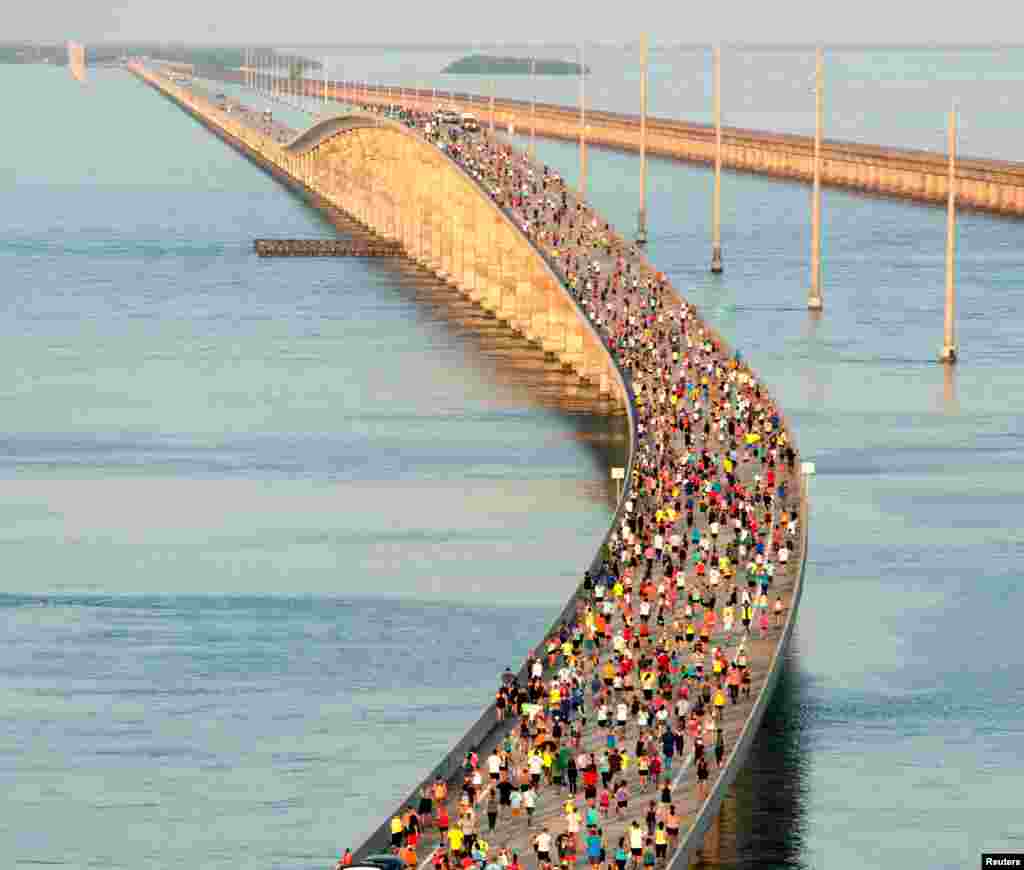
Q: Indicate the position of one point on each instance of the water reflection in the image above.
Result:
(950, 399)
(815, 386)
(527, 375)
(762, 820)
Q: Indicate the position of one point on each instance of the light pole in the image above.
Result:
(949, 349)
(716, 204)
(583, 120)
(533, 108)
(641, 231)
(814, 301)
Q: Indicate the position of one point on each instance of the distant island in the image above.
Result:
(485, 64)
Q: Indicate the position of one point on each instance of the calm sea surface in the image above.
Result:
(271, 528)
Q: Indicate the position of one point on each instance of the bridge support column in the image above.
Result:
(445, 227)
(553, 340)
(496, 268)
(468, 282)
(606, 380)
(537, 309)
(416, 230)
(509, 264)
(491, 298)
(573, 353)
(523, 317)
(594, 359)
(478, 293)
(436, 217)
(426, 235)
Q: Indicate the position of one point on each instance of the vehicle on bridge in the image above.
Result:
(382, 862)
(470, 123)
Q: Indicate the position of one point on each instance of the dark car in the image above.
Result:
(384, 862)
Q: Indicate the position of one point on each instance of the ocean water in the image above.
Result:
(271, 528)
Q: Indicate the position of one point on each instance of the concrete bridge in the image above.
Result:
(391, 179)
(995, 186)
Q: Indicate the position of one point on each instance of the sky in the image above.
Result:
(320, 22)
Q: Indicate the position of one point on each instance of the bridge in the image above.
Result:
(451, 215)
(994, 186)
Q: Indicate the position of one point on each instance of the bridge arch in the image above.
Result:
(405, 188)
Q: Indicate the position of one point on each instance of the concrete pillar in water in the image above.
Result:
(641, 218)
(949, 350)
(814, 300)
(716, 202)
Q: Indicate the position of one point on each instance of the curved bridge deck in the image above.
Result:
(706, 434)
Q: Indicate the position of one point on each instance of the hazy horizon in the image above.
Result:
(491, 46)
(458, 22)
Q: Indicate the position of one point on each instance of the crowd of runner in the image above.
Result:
(627, 700)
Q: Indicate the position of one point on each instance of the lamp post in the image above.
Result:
(949, 349)
(583, 120)
(641, 218)
(533, 108)
(814, 300)
(716, 203)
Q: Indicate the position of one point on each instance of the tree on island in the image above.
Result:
(485, 64)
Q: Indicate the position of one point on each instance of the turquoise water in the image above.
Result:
(257, 516)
